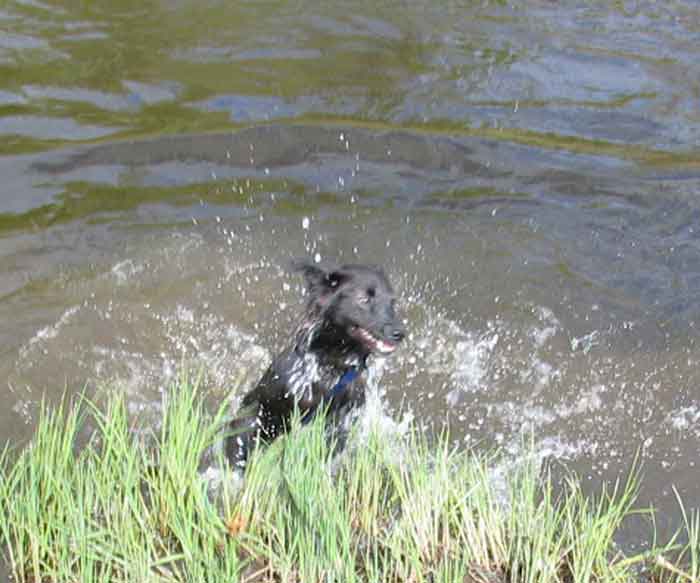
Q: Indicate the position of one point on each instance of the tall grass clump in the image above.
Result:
(124, 508)
(685, 567)
(135, 505)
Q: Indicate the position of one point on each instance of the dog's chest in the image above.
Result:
(309, 380)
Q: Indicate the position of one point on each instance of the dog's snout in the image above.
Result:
(395, 333)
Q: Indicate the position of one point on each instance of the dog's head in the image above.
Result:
(353, 307)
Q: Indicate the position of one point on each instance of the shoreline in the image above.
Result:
(396, 508)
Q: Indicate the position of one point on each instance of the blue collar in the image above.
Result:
(338, 389)
(347, 377)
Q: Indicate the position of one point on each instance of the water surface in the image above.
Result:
(527, 173)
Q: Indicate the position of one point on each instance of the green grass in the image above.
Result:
(134, 505)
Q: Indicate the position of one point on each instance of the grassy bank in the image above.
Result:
(133, 506)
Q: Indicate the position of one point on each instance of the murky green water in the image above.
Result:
(527, 172)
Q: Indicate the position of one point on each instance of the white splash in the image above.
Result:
(374, 416)
(586, 342)
(302, 377)
(125, 270)
(550, 326)
(49, 332)
(685, 418)
(466, 357)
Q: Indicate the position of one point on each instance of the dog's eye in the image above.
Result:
(367, 296)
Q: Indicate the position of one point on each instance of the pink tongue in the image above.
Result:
(385, 346)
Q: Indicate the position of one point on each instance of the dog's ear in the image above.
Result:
(313, 274)
(319, 280)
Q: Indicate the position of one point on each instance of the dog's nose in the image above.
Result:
(397, 334)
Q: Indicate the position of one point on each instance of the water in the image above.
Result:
(526, 173)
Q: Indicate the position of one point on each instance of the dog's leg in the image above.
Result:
(244, 434)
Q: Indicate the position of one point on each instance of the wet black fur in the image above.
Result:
(341, 302)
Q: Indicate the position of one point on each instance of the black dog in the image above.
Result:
(350, 315)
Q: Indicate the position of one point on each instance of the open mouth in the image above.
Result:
(372, 342)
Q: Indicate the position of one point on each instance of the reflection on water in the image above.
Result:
(595, 72)
(527, 174)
